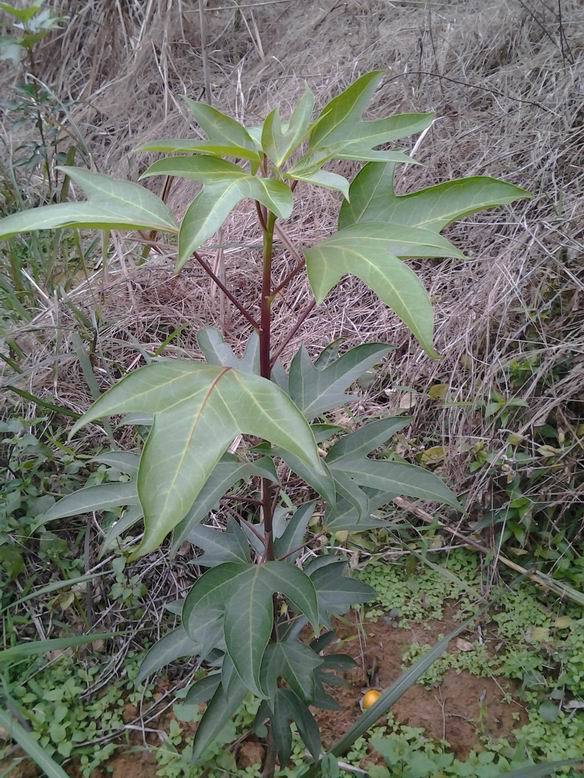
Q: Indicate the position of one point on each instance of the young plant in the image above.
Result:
(249, 618)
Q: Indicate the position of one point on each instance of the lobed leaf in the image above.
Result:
(318, 389)
(220, 546)
(372, 253)
(198, 410)
(373, 199)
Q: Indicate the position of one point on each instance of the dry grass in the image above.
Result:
(504, 78)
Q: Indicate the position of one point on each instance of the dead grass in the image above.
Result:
(504, 78)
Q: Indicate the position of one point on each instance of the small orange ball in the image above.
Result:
(370, 698)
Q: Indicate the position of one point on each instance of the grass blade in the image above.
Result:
(393, 693)
(27, 742)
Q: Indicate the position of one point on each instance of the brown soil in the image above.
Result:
(460, 710)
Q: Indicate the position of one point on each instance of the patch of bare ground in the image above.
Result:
(461, 710)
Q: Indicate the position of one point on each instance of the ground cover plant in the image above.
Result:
(244, 617)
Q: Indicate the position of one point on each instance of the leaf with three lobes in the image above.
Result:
(198, 410)
(111, 205)
(372, 252)
(289, 708)
(373, 199)
(211, 207)
(245, 592)
(336, 592)
(316, 390)
(294, 662)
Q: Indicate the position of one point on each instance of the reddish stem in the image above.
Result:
(265, 366)
(244, 312)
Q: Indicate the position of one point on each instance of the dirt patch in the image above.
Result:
(461, 710)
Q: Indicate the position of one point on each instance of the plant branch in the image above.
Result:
(301, 319)
(244, 312)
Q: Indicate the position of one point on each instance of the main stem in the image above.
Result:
(265, 370)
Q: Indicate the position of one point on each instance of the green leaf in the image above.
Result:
(390, 128)
(337, 120)
(325, 179)
(245, 592)
(217, 352)
(111, 204)
(173, 646)
(220, 128)
(212, 591)
(23, 15)
(30, 745)
(218, 546)
(371, 252)
(211, 207)
(203, 690)
(372, 199)
(280, 727)
(356, 151)
(316, 390)
(291, 539)
(206, 169)
(279, 142)
(249, 618)
(92, 498)
(294, 662)
(227, 473)
(249, 615)
(292, 708)
(198, 411)
(396, 478)
(344, 516)
(131, 516)
(539, 770)
(36, 647)
(223, 706)
(390, 695)
(124, 461)
(336, 592)
(186, 146)
(366, 439)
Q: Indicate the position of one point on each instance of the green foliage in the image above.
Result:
(421, 594)
(244, 617)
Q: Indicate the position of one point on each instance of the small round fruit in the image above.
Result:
(370, 698)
